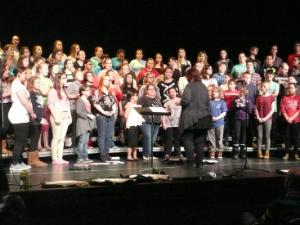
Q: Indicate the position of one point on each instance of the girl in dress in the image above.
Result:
(133, 121)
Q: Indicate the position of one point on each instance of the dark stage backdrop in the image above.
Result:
(154, 25)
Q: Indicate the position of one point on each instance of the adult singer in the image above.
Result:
(195, 118)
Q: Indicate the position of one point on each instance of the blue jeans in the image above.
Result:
(83, 145)
(146, 131)
(105, 128)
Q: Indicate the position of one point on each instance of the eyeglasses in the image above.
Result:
(63, 78)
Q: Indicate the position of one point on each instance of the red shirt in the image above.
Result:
(290, 104)
(142, 73)
(291, 59)
(264, 105)
(117, 93)
(230, 97)
(96, 82)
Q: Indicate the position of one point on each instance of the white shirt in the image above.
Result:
(18, 113)
(181, 84)
(134, 118)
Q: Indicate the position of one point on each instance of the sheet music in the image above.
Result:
(158, 109)
(284, 171)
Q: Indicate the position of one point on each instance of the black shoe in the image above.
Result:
(226, 143)
(243, 151)
(107, 157)
(103, 157)
(166, 160)
(189, 160)
(199, 165)
(235, 151)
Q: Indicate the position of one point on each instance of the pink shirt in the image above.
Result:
(59, 104)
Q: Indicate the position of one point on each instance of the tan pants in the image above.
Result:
(59, 133)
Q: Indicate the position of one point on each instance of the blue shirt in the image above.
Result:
(220, 78)
(217, 107)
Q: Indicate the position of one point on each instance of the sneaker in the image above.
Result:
(211, 154)
(87, 160)
(80, 161)
(148, 157)
(226, 143)
(167, 157)
(219, 155)
(285, 157)
(16, 167)
(19, 167)
(181, 157)
(25, 166)
(297, 157)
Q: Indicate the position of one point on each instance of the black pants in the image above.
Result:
(274, 130)
(292, 136)
(194, 140)
(35, 132)
(172, 137)
(6, 124)
(240, 132)
(251, 128)
(3, 179)
(229, 126)
(21, 132)
(72, 129)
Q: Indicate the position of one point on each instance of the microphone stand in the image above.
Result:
(246, 166)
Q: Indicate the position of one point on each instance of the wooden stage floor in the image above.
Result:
(223, 168)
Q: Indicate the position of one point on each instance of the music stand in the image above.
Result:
(152, 111)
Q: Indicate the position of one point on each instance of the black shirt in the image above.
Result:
(106, 101)
(37, 102)
(164, 88)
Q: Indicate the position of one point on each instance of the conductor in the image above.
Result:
(195, 118)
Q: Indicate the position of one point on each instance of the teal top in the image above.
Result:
(116, 63)
(238, 69)
(136, 65)
(95, 65)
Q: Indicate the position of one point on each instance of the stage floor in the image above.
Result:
(223, 168)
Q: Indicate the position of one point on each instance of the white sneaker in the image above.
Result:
(15, 167)
(19, 167)
(148, 158)
(25, 166)
(88, 160)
